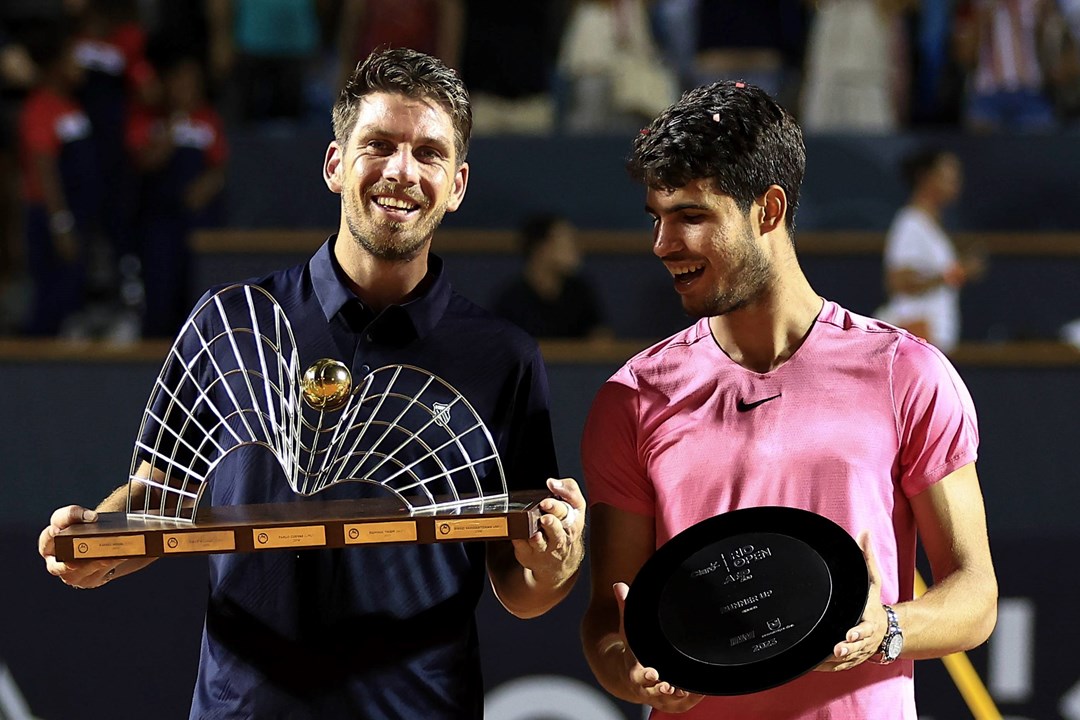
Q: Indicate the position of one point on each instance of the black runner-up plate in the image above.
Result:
(746, 600)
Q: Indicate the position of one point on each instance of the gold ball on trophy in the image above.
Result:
(326, 384)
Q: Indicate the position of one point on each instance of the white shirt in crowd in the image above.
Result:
(916, 242)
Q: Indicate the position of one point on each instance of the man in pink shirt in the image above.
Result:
(776, 396)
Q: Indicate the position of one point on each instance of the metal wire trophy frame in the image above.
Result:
(232, 383)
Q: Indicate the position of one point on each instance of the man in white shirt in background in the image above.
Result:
(923, 270)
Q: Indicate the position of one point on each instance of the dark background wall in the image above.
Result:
(1011, 182)
(1023, 185)
(1021, 297)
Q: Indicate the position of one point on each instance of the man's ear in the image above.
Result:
(771, 209)
(332, 168)
(461, 182)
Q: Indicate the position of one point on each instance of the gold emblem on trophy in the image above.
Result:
(326, 385)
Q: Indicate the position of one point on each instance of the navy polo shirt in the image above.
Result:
(379, 631)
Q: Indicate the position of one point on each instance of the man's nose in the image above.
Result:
(402, 168)
(664, 240)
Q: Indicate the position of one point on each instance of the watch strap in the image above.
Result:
(891, 631)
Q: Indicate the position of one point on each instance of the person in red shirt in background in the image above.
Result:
(61, 186)
(179, 152)
(110, 47)
(434, 27)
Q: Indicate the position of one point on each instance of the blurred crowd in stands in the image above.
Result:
(114, 114)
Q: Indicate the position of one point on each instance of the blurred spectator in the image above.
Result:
(60, 181)
(937, 75)
(17, 75)
(434, 27)
(1005, 48)
(856, 64)
(923, 271)
(1070, 333)
(110, 48)
(675, 26)
(507, 60)
(180, 152)
(1063, 52)
(761, 42)
(262, 52)
(614, 73)
(551, 299)
(178, 27)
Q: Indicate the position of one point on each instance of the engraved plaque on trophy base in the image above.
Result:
(747, 600)
(300, 525)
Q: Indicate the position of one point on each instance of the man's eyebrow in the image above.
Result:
(679, 208)
(435, 142)
(384, 133)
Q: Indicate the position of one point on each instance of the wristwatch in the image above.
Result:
(893, 642)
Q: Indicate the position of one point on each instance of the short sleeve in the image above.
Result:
(906, 244)
(937, 424)
(38, 129)
(218, 151)
(140, 125)
(529, 455)
(614, 472)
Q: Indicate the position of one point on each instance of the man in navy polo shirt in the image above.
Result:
(386, 631)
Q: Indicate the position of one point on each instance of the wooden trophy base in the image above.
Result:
(295, 526)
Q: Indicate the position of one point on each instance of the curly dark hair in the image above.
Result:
(414, 75)
(730, 132)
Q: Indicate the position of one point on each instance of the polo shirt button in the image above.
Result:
(365, 369)
(368, 337)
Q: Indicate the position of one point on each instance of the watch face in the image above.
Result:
(896, 644)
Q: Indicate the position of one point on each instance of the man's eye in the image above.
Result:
(428, 154)
(379, 145)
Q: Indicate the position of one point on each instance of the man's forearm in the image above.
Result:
(115, 502)
(522, 592)
(606, 655)
(956, 614)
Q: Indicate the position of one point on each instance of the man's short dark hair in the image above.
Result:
(730, 132)
(917, 164)
(414, 75)
(537, 230)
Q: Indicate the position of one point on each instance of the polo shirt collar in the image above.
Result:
(422, 313)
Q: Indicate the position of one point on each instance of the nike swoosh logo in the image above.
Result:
(742, 406)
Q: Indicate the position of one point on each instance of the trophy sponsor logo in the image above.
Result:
(442, 414)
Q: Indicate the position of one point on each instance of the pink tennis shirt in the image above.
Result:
(861, 418)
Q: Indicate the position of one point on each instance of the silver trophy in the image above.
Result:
(232, 384)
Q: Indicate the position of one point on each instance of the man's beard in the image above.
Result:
(392, 241)
(753, 277)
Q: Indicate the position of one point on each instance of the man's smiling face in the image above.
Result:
(398, 175)
(709, 247)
